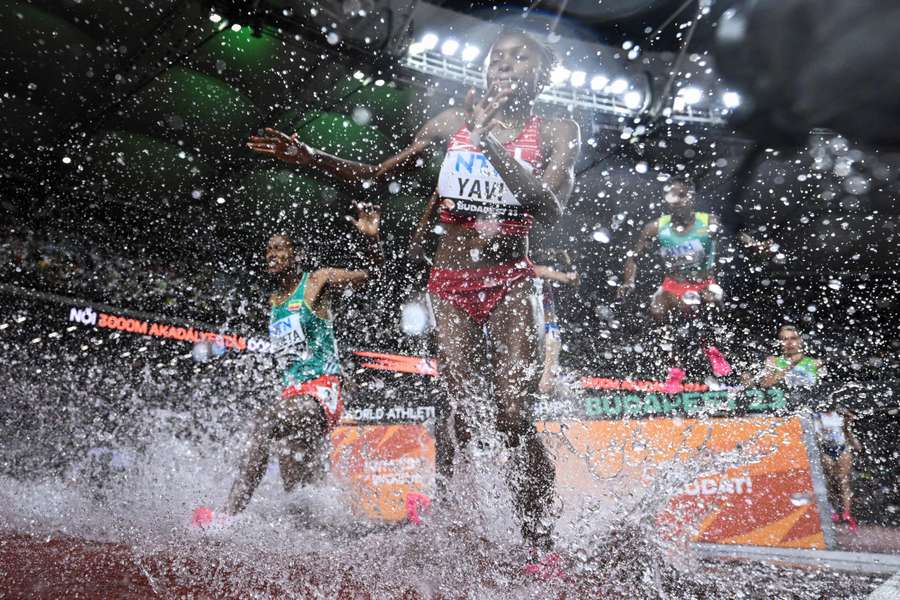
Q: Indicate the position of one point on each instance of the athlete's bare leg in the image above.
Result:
(301, 453)
(461, 359)
(273, 422)
(662, 304)
(842, 467)
(515, 372)
(663, 307)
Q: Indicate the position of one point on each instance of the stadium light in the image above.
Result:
(731, 99)
(449, 47)
(215, 17)
(619, 86)
(430, 41)
(598, 82)
(470, 53)
(691, 95)
(633, 99)
(560, 75)
(578, 78)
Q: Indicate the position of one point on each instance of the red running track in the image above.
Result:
(51, 569)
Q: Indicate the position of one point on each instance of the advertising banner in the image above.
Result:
(764, 496)
(381, 464)
(728, 466)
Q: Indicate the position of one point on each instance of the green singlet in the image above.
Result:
(688, 255)
(804, 374)
(296, 332)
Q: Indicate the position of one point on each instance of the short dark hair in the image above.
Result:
(684, 181)
(548, 56)
(789, 328)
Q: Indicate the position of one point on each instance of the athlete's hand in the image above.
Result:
(480, 115)
(368, 219)
(625, 290)
(284, 147)
(547, 384)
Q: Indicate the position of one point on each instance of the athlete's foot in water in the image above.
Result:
(418, 505)
(207, 520)
(847, 518)
(546, 566)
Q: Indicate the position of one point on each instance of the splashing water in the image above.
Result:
(127, 504)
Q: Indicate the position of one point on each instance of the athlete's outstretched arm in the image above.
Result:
(368, 223)
(640, 248)
(289, 149)
(416, 243)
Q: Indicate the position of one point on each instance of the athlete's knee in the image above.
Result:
(657, 310)
(299, 418)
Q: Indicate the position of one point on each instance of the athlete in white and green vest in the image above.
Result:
(302, 339)
(793, 369)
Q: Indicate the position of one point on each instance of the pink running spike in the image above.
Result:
(414, 503)
(549, 567)
(202, 517)
(850, 521)
(719, 365)
(673, 383)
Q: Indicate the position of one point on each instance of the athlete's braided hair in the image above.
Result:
(548, 56)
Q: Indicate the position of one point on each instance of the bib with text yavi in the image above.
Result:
(471, 186)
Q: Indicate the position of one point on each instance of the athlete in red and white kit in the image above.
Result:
(505, 169)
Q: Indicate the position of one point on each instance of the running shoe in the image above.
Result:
(673, 383)
(206, 519)
(547, 568)
(852, 525)
(720, 366)
(417, 504)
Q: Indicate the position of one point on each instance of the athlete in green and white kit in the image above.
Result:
(794, 369)
(687, 247)
(302, 337)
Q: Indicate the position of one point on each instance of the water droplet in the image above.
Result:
(362, 115)
(601, 234)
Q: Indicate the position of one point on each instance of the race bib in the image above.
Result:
(287, 337)
(471, 186)
(686, 255)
